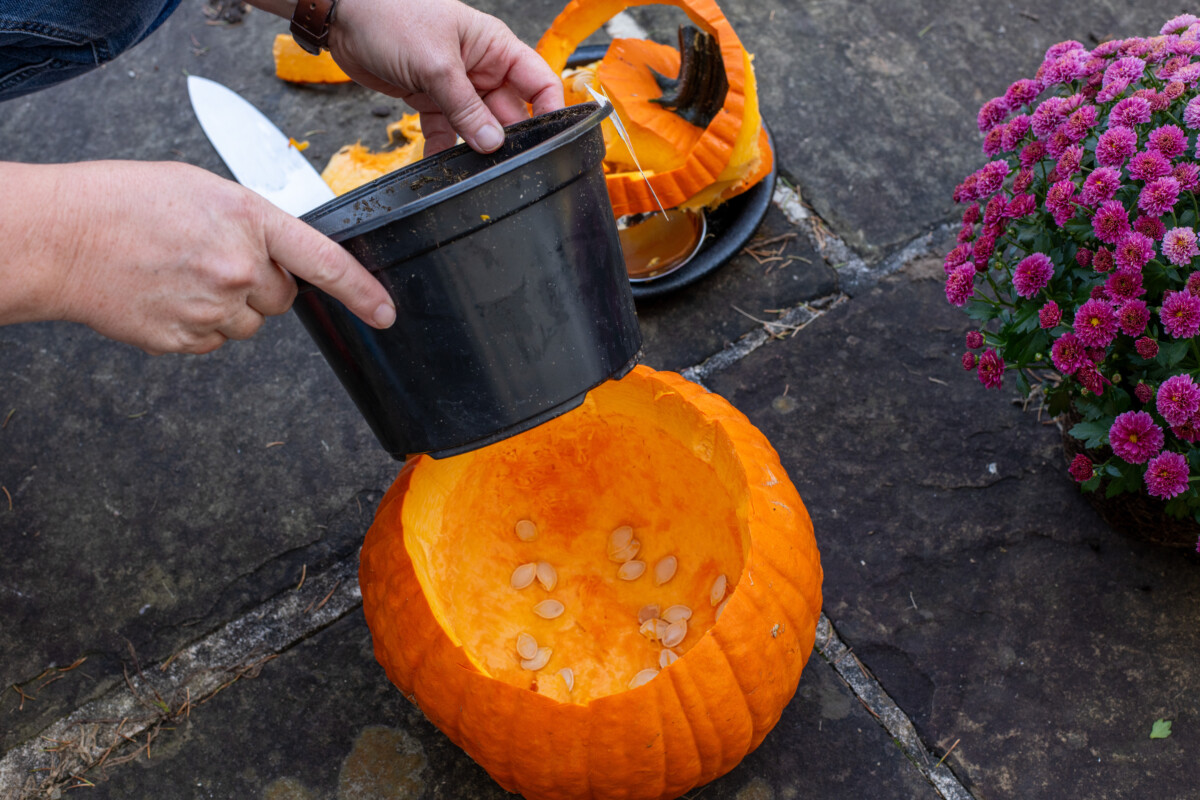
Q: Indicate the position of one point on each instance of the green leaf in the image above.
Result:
(1161, 729)
(977, 309)
(1171, 353)
(1094, 433)
(1091, 484)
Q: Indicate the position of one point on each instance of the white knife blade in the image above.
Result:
(256, 152)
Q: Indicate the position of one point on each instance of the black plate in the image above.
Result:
(730, 225)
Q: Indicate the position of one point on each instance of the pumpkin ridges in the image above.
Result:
(680, 742)
(712, 756)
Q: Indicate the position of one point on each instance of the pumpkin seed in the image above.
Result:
(631, 570)
(667, 657)
(568, 676)
(648, 612)
(674, 634)
(527, 646)
(645, 676)
(649, 629)
(549, 609)
(547, 576)
(664, 570)
(523, 575)
(526, 530)
(538, 661)
(720, 608)
(627, 553)
(676, 613)
(717, 593)
(619, 539)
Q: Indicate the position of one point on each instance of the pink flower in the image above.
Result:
(1015, 131)
(971, 214)
(1102, 261)
(991, 114)
(1134, 437)
(1031, 154)
(991, 369)
(1080, 122)
(1068, 354)
(1159, 197)
(1091, 379)
(1101, 185)
(1179, 246)
(1193, 284)
(1133, 317)
(1081, 468)
(1167, 475)
(1049, 315)
(1032, 274)
(1129, 112)
(1178, 399)
(1150, 226)
(957, 257)
(960, 285)
(1023, 181)
(1180, 314)
(1115, 145)
(1148, 165)
(1134, 251)
(1191, 113)
(1187, 432)
(1177, 24)
(1146, 347)
(968, 361)
(991, 177)
(1188, 175)
(1068, 162)
(974, 340)
(1022, 93)
(1083, 257)
(1170, 140)
(1124, 284)
(1059, 201)
(1144, 393)
(985, 246)
(1110, 222)
(993, 142)
(1095, 323)
(1046, 117)
(1021, 206)
(1124, 71)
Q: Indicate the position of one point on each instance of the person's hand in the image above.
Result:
(165, 256)
(463, 70)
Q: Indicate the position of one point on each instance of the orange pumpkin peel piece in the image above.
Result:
(729, 151)
(295, 65)
(449, 593)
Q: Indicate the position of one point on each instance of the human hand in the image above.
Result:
(463, 70)
(171, 258)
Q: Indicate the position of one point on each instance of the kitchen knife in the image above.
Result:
(256, 152)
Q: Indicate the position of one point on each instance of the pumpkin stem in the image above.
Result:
(698, 93)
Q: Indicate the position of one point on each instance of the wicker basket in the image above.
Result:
(1137, 515)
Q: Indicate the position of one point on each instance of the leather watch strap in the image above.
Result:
(310, 24)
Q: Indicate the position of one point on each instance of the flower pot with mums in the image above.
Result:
(1078, 254)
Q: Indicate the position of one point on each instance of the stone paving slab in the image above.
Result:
(337, 729)
(964, 567)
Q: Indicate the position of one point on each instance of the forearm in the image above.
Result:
(42, 238)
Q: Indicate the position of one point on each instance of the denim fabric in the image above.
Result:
(43, 42)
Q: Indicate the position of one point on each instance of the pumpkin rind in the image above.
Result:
(295, 65)
(693, 722)
(726, 144)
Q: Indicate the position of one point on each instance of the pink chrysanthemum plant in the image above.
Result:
(1078, 254)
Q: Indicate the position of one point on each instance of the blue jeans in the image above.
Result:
(43, 42)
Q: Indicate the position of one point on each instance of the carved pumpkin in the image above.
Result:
(615, 604)
(732, 151)
(295, 65)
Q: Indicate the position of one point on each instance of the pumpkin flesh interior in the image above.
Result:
(625, 457)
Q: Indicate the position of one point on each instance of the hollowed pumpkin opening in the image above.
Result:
(624, 458)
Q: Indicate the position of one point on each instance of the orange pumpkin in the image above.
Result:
(354, 165)
(593, 535)
(732, 148)
(294, 64)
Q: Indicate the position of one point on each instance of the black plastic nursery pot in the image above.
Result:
(511, 294)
